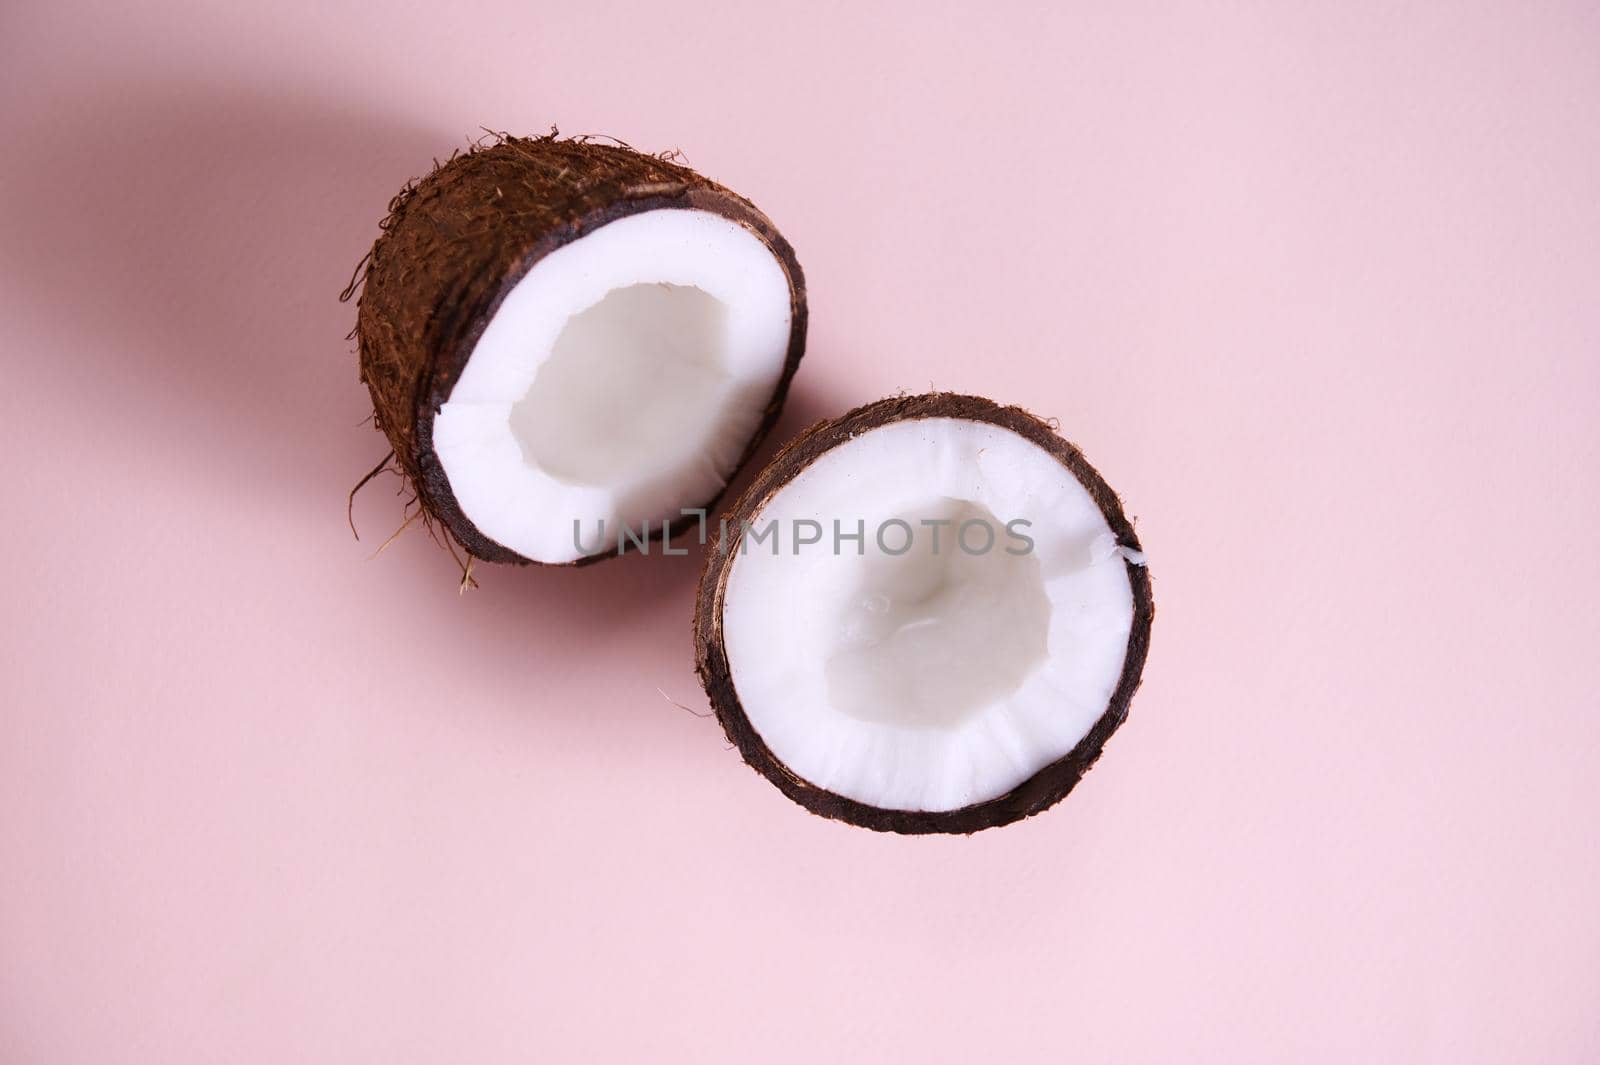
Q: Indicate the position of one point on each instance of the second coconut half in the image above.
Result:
(927, 615)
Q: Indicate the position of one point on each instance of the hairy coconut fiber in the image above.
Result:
(456, 242)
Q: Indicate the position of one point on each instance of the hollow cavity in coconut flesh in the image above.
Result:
(928, 615)
(569, 344)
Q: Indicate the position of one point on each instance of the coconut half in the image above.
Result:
(925, 616)
(570, 344)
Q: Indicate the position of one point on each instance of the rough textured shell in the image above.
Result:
(457, 241)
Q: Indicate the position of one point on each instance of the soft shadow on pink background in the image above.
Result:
(1314, 286)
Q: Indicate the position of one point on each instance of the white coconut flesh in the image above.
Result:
(948, 674)
(619, 382)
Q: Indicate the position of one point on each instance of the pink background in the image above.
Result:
(1314, 286)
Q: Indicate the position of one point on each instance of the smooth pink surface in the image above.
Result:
(1316, 289)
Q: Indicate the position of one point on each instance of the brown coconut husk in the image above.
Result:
(1039, 792)
(455, 243)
